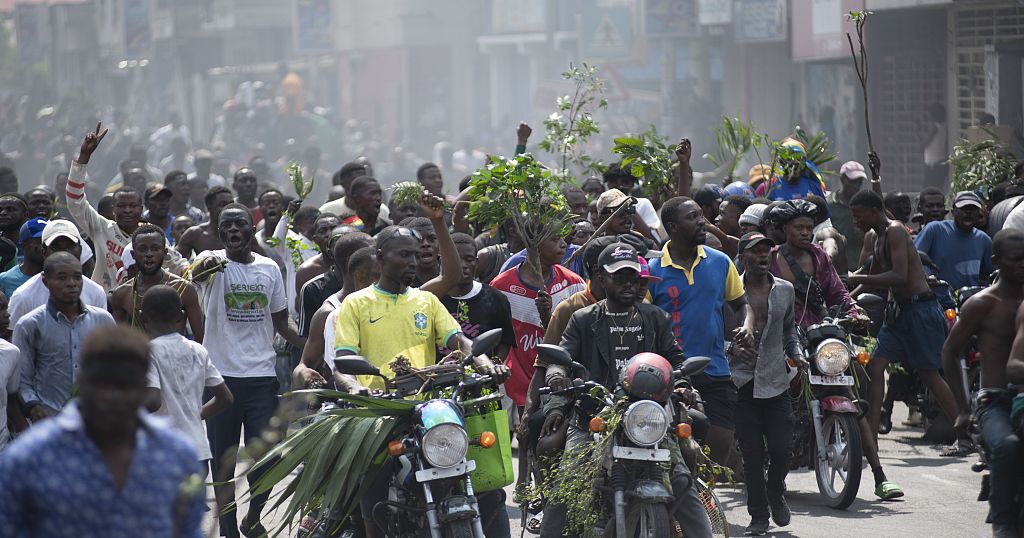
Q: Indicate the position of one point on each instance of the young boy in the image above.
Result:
(179, 370)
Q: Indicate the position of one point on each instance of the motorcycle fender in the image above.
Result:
(652, 492)
(457, 507)
(434, 473)
(838, 404)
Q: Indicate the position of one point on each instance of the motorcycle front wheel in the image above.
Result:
(644, 520)
(838, 474)
(716, 513)
(459, 529)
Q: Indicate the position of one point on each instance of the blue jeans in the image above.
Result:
(255, 403)
(1004, 458)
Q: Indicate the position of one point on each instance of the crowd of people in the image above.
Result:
(164, 296)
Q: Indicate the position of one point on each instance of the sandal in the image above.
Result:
(888, 491)
(534, 524)
(960, 449)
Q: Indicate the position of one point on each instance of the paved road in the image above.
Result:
(940, 497)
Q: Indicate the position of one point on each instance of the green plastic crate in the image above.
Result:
(493, 465)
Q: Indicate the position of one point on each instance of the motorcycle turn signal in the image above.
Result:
(950, 314)
(863, 358)
(396, 448)
(487, 439)
(683, 430)
(598, 425)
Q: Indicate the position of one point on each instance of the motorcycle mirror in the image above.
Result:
(487, 341)
(693, 365)
(355, 365)
(556, 355)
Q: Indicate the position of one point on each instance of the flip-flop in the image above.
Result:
(888, 491)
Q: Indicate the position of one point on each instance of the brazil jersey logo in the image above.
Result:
(420, 319)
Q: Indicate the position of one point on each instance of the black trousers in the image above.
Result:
(764, 424)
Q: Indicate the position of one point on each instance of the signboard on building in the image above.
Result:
(820, 27)
(607, 31)
(713, 12)
(664, 18)
(761, 21)
(137, 36)
(313, 26)
(31, 25)
(518, 16)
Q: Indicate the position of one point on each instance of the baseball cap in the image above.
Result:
(611, 198)
(60, 228)
(967, 198)
(750, 239)
(853, 170)
(645, 271)
(618, 256)
(753, 215)
(31, 229)
(154, 190)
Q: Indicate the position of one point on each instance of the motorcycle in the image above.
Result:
(631, 488)
(431, 488)
(826, 410)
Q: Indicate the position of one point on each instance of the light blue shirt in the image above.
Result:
(50, 345)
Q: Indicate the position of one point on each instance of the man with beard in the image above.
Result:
(603, 337)
(990, 315)
(149, 249)
(13, 210)
(245, 305)
(695, 285)
(245, 184)
(961, 251)
(109, 236)
(206, 236)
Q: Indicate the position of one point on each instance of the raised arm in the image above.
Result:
(683, 153)
(451, 267)
(78, 205)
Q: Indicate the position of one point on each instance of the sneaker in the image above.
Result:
(780, 512)
(757, 527)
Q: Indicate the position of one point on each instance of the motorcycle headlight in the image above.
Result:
(832, 357)
(645, 422)
(445, 445)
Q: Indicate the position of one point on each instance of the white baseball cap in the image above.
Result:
(60, 228)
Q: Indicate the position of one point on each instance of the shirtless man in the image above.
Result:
(990, 315)
(149, 248)
(205, 236)
(317, 265)
(916, 335)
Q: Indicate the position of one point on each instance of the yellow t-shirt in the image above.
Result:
(380, 326)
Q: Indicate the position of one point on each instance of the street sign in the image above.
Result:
(714, 12)
(607, 33)
(313, 25)
(761, 21)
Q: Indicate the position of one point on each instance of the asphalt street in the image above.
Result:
(940, 500)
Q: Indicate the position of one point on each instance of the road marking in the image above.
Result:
(942, 480)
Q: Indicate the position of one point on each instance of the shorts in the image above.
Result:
(719, 397)
(917, 336)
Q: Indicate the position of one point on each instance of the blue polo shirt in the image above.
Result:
(694, 298)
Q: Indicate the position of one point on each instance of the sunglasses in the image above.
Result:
(628, 212)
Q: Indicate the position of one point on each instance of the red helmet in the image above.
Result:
(647, 376)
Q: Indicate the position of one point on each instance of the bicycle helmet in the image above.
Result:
(647, 376)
